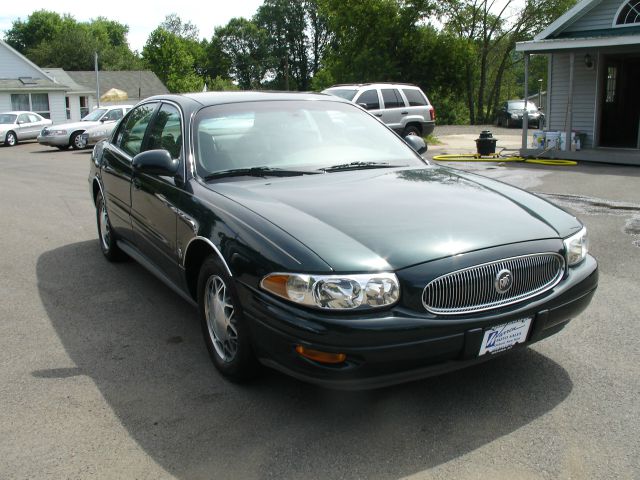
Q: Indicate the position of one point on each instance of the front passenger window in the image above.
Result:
(165, 132)
(131, 132)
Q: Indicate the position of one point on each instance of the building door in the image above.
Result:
(620, 118)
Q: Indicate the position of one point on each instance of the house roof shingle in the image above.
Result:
(138, 84)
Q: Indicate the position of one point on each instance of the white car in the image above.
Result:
(67, 135)
(18, 126)
(94, 134)
(401, 106)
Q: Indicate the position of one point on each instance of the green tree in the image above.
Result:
(245, 45)
(51, 40)
(173, 59)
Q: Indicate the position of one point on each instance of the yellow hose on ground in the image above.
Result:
(474, 157)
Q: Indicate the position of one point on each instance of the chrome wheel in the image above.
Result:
(105, 230)
(219, 315)
(77, 142)
(11, 139)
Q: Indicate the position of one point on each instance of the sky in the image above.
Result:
(141, 17)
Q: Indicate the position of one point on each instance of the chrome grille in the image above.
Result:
(473, 289)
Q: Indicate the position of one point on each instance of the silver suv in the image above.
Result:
(401, 106)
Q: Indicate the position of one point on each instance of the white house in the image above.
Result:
(60, 95)
(25, 86)
(593, 85)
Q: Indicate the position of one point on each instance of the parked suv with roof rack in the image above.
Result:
(401, 106)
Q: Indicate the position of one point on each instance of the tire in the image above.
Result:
(224, 328)
(11, 139)
(106, 238)
(411, 130)
(508, 125)
(76, 141)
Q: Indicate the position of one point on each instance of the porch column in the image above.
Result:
(525, 114)
(569, 120)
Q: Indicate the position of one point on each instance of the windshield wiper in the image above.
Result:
(358, 165)
(258, 172)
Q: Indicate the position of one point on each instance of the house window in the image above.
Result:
(35, 102)
(629, 13)
(611, 84)
(40, 104)
(84, 106)
(20, 101)
(67, 105)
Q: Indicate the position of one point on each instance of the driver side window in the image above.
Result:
(131, 132)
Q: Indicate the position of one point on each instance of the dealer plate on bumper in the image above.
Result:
(503, 337)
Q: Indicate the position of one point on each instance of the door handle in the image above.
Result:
(378, 114)
(404, 113)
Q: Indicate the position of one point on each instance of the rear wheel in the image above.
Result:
(106, 237)
(224, 328)
(76, 141)
(411, 130)
(11, 139)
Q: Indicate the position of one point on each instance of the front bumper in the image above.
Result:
(399, 345)
(53, 140)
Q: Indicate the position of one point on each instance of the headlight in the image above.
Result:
(57, 132)
(576, 247)
(335, 292)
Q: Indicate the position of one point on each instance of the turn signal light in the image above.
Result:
(318, 356)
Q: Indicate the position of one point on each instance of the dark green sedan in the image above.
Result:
(316, 241)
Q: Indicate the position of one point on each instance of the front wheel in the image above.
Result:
(11, 139)
(106, 237)
(76, 141)
(224, 328)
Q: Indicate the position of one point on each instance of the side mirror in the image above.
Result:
(417, 143)
(155, 162)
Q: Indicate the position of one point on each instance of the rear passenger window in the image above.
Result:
(414, 97)
(370, 98)
(392, 98)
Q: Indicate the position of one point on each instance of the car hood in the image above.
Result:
(387, 219)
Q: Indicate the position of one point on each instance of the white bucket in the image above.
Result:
(563, 142)
(552, 140)
(538, 140)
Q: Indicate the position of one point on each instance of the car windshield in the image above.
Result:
(301, 135)
(95, 115)
(7, 118)
(531, 107)
(345, 93)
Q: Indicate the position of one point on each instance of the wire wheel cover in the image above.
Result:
(219, 314)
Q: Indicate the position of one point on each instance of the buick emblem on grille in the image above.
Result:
(504, 281)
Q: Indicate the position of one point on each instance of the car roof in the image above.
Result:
(17, 112)
(358, 85)
(218, 98)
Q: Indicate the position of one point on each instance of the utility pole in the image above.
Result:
(97, 80)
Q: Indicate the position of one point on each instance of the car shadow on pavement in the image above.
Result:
(141, 345)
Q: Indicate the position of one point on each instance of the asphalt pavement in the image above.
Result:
(104, 373)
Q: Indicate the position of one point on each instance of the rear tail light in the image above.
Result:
(433, 113)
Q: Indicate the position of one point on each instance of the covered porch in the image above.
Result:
(593, 93)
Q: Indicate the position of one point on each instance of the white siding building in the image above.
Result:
(593, 84)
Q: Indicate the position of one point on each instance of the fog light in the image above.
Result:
(318, 356)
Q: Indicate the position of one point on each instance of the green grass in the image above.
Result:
(431, 139)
